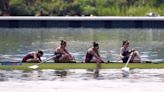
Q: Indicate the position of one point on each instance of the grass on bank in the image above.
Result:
(62, 66)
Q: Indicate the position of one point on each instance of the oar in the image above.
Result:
(98, 66)
(37, 65)
(125, 68)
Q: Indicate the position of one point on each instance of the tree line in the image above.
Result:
(80, 7)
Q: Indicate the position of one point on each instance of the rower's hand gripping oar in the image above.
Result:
(125, 68)
(37, 65)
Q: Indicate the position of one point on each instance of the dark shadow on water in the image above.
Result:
(61, 73)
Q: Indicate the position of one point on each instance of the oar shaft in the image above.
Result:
(37, 65)
(129, 59)
(46, 60)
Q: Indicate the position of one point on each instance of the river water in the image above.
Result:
(16, 42)
(135, 75)
(81, 80)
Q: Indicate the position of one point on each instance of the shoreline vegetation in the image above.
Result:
(81, 7)
(62, 66)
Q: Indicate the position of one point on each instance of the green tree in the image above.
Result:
(4, 5)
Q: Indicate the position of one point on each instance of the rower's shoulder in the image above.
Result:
(90, 50)
(58, 48)
(32, 52)
(122, 48)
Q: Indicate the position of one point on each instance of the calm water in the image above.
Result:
(81, 80)
(15, 43)
(136, 75)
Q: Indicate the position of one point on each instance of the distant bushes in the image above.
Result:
(81, 7)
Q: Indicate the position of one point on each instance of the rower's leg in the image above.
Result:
(135, 57)
(32, 61)
(64, 58)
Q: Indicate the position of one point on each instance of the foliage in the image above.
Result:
(82, 7)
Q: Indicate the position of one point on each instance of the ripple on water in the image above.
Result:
(135, 75)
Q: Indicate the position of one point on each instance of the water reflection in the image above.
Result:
(15, 43)
(136, 75)
(61, 73)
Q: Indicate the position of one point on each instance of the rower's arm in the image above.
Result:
(59, 50)
(121, 52)
(39, 59)
(96, 55)
(66, 51)
(70, 56)
(35, 56)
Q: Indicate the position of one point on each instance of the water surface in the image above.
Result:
(135, 75)
(16, 42)
(82, 80)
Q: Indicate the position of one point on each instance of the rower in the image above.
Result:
(33, 57)
(93, 55)
(125, 53)
(62, 55)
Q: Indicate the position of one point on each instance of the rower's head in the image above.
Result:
(125, 43)
(95, 45)
(63, 44)
(40, 53)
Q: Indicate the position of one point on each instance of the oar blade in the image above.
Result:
(33, 66)
(126, 69)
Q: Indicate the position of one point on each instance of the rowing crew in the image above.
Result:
(61, 54)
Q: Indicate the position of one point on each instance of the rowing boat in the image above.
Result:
(24, 66)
